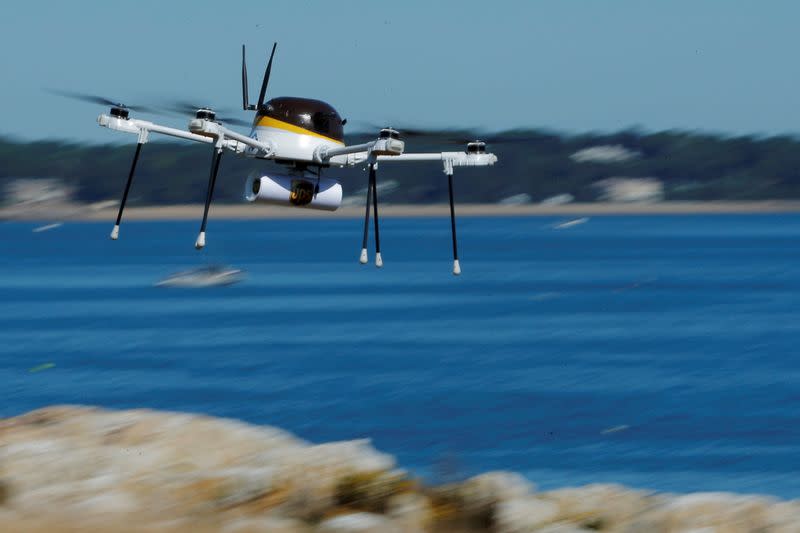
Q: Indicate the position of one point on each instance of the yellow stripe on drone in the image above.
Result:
(269, 122)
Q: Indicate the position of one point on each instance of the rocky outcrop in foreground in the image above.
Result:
(70, 469)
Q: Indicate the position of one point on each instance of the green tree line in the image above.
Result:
(541, 164)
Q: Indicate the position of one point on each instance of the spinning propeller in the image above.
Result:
(459, 137)
(118, 109)
(94, 99)
(205, 112)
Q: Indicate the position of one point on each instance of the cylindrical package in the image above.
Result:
(295, 191)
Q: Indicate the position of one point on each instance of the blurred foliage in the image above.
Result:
(452, 511)
(371, 491)
(692, 166)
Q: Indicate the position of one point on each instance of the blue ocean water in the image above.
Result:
(659, 352)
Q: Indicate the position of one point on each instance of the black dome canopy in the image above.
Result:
(313, 115)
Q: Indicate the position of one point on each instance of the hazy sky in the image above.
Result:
(569, 65)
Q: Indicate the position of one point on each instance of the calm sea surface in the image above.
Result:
(660, 352)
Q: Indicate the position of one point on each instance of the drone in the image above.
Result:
(303, 135)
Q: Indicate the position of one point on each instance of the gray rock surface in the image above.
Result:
(78, 469)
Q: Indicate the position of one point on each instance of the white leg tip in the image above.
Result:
(456, 268)
(364, 257)
(115, 233)
(201, 240)
(378, 260)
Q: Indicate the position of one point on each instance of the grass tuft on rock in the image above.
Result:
(452, 511)
(371, 491)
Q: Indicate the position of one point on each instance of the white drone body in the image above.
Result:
(305, 135)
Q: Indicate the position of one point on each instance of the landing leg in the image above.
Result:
(373, 180)
(212, 180)
(456, 266)
(364, 257)
(115, 231)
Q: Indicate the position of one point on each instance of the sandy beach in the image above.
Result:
(246, 211)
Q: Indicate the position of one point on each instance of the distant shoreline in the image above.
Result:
(254, 211)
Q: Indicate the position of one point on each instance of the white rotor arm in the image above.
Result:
(349, 160)
(136, 126)
(214, 133)
(264, 149)
(343, 155)
(358, 153)
(450, 159)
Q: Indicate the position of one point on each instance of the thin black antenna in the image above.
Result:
(263, 92)
(245, 98)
